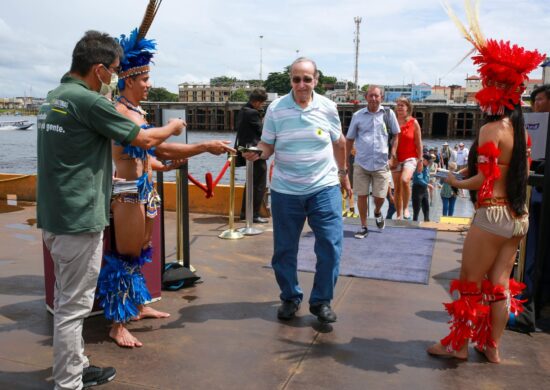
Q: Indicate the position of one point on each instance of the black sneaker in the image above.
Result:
(287, 310)
(323, 312)
(364, 232)
(93, 376)
(379, 221)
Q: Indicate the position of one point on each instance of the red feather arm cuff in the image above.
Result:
(487, 163)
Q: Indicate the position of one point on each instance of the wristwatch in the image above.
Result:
(342, 172)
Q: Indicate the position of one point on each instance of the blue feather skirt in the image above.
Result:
(121, 286)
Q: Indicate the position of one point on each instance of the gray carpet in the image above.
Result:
(396, 254)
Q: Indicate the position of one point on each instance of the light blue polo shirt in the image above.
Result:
(371, 137)
(302, 140)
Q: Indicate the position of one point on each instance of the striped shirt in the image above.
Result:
(302, 140)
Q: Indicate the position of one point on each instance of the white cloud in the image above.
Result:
(400, 42)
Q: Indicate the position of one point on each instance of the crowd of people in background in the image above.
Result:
(424, 193)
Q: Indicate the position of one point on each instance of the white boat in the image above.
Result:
(16, 125)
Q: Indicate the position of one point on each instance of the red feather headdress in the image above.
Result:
(503, 67)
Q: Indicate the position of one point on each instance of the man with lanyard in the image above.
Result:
(369, 129)
(75, 129)
(303, 130)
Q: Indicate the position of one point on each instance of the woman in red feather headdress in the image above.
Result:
(498, 173)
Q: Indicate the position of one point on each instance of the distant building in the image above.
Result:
(420, 92)
(546, 71)
(414, 92)
(451, 93)
(392, 92)
(338, 95)
(341, 85)
(16, 103)
(190, 92)
(473, 85)
(436, 98)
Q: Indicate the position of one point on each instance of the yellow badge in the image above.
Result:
(319, 132)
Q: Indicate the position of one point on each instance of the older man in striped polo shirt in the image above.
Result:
(304, 131)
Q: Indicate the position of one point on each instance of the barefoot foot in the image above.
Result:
(491, 354)
(440, 350)
(123, 337)
(149, 312)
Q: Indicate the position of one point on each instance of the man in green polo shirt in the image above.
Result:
(75, 128)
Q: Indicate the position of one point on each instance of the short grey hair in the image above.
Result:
(373, 86)
(305, 59)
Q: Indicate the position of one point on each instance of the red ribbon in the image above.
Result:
(208, 188)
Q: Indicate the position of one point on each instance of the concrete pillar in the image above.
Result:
(232, 120)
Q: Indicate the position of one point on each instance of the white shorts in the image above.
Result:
(410, 164)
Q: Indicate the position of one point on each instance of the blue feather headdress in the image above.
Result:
(138, 51)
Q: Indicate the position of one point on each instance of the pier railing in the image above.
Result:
(436, 119)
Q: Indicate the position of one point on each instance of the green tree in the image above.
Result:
(255, 83)
(320, 89)
(365, 87)
(329, 80)
(161, 95)
(278, 82)
(222, 81)
(239, 95)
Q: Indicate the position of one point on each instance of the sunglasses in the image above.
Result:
(305, 79)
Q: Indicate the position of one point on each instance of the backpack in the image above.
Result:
(388, 128)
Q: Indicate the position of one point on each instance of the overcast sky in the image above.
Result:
(401, 41)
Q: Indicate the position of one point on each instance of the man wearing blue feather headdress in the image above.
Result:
(121, 287)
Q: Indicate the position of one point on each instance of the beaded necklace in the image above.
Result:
(128, 104)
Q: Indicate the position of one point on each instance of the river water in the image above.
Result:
(19, 156)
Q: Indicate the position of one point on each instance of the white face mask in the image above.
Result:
(107, 89)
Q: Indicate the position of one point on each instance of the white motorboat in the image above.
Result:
(16, 125)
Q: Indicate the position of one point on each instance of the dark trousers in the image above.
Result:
(259, 183)
(419, 198)
(391, 207)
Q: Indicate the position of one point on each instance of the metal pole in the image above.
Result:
(182, 217)
(248, 230)
(231, 233)
(160, 190)
(357, 20)
(261, 59)
(183, 251)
